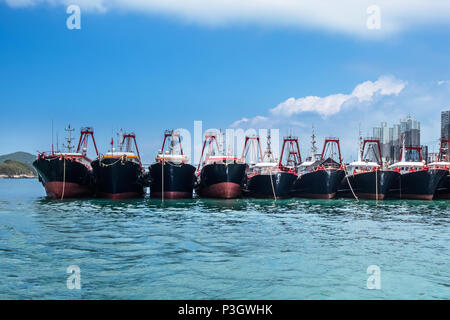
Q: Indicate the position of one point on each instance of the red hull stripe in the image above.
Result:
(171, 195)
(369, 196)
(55, 190)
(417, 196)
(223, 190)
(316, 195)
(121, 196)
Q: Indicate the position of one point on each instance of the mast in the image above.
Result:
(293, 155)
(53, 151)
(254, 143)
(268, 153)
(209, 138)
(69, 139)
(57, 142)
(403, 158)
(120, 139)
(376, 152)
(128, 138)
(331, 141)
(361, 148)
(172, 145)
(84, 138)
(313, 146)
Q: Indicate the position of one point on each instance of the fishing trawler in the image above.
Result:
(119, 174)
(320, 178)
(67, 174)
(417, 180)
(443, 162)
(171, 177)
(269, 178)
(367, 179)
(219, 175)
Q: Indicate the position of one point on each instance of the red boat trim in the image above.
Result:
(120, 196)
(260, 196)
(222, 190)
(54, 190)
(171, 195)
(315, 195)
(417, 196)
(368, 196)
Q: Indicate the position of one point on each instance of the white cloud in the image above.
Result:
(332, 104)
(21, 3)
(385, 85)
(423, 100)
(239, 122)
(345, 16)
(443, 82)
(252, 122)
(89, 5)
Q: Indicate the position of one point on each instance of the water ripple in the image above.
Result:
(216, 249)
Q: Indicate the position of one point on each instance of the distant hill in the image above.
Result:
(15, 169)
(20, 156)
(17, 165)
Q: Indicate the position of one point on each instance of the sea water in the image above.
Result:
(221, 249)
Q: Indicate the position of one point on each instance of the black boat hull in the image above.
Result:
(178, 180)
(116, 179)
(319, 184)
(64, 178)
(443, 189)
(418, 185)
(220, 180)
(277, 185)
(368, 185)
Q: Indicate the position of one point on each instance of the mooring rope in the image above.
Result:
(64, 180)
(376, 186)
(271, 182)
(162, 177)
(349, 184)
(111, 164)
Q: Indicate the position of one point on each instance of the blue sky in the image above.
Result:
(147, 69)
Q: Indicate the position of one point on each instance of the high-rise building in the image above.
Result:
(391, 139)
(445, 124)
(445, 132)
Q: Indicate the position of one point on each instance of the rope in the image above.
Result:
(162, 179)
(376, 186)
(111, 164)
(64, 180)
(271, 182)
(350, 185)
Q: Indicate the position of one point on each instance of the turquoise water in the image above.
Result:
(211, 249)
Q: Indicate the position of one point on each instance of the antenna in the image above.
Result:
(120, 139)
(69, 146)
(268, 153)
(313, 145)
(57, 141)
(403, 157)
(52, 137)
(360, 151)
